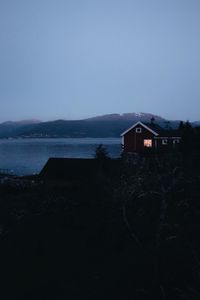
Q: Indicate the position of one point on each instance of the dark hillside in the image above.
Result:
(14, 129)
(101, 126)
(76, 129)
(82, 128)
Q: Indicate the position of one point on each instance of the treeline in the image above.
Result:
(190, 137)
(159, 195)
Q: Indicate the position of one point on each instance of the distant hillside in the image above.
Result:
(196, 124)
(111, 125)
(14, 129)
(82, 128)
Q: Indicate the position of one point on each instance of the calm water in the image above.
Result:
(28, 156)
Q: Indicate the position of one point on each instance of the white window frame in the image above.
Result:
(164, 142)
(176, 141)
(138, 130)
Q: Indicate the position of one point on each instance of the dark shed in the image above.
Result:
(76, 168)
(68, 168)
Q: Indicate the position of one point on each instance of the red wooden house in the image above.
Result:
(141, 136)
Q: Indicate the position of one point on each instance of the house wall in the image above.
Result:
(170, 143)
(134, 142)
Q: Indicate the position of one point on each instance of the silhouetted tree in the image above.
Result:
(101, 153)
(152, 121)
(197, 138)
(167, 125)
(181, 126)
(188, 137)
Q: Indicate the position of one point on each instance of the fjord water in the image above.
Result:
(28, 156)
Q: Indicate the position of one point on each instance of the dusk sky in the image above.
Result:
(71, 59)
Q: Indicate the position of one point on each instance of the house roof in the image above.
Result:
(157, 130)
(142, 124)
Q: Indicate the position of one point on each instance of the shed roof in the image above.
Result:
(68, 168)
(75, 168)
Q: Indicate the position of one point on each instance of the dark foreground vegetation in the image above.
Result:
(130, 233)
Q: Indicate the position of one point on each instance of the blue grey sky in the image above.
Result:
(71, 59)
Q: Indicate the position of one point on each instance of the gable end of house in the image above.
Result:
(140, 124)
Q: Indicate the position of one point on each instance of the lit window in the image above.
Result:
(164, 142)
(148, 143)
(138, 130)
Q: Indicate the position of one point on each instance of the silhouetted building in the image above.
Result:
(68, 168)
(76, 168)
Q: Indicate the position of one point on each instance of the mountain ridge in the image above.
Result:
(111, 125)
(125, 116)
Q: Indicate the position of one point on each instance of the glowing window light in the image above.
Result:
(148, 143)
